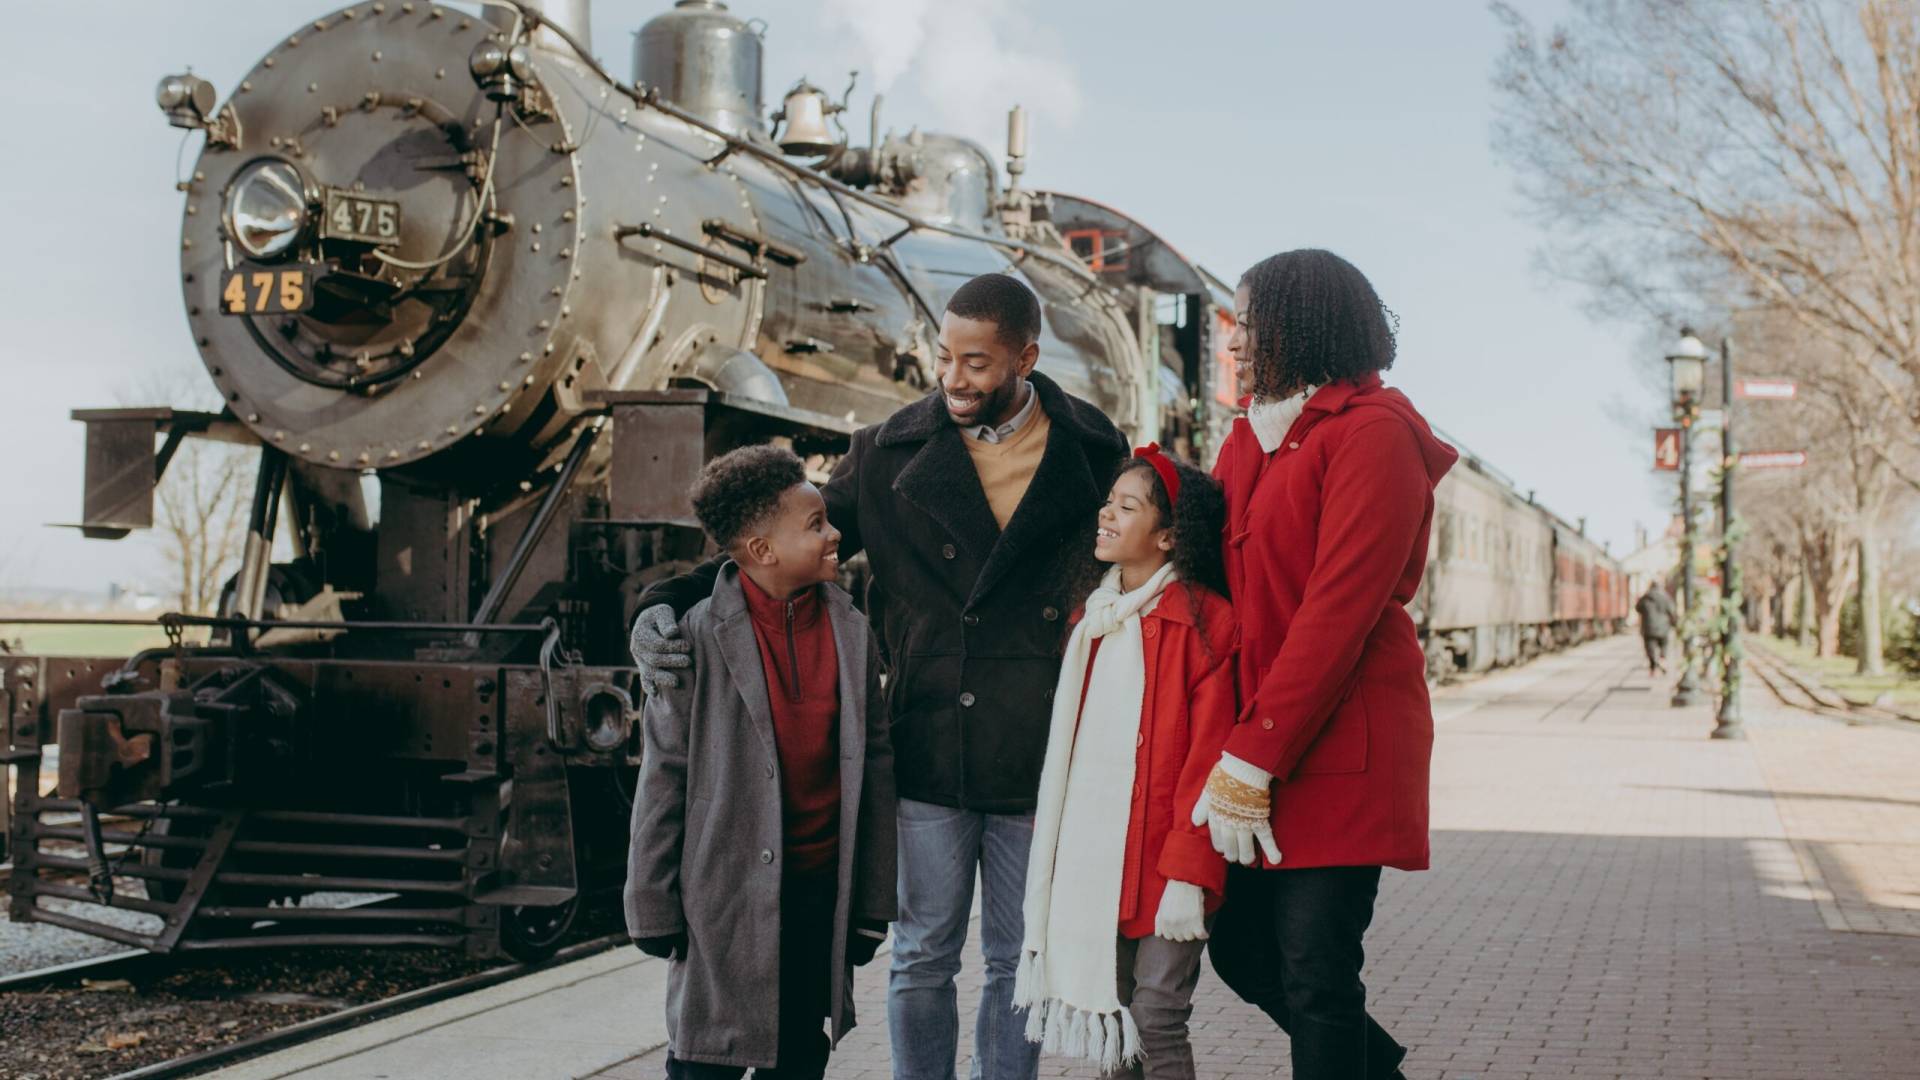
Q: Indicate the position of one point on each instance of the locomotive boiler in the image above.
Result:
(485, 309)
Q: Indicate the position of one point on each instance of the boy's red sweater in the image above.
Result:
(802, 668)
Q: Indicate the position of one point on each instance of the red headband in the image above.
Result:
(1162, 464)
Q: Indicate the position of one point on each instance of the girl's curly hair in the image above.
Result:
(1198, 524)
(1314, 319)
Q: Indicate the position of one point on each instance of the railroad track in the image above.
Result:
(1790, 689)
(132, 965)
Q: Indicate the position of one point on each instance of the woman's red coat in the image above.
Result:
(1187, 709)
(1326, 540)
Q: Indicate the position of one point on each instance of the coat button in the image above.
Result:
(966, 700)
(1267, 723)
(947, 551)
(1293, 446)
(766, 856)
(1151, 629)
(970, 619)
(1050, 613)
(1140, 739)
(769, 772)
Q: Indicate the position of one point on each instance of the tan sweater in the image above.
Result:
(1006, 468)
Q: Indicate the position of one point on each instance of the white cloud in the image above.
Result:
(971, 60)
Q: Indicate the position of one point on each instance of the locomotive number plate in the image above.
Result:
(257, 290)
(351, 216)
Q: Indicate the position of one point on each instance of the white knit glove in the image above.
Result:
(1236, 811)
(1183, 913)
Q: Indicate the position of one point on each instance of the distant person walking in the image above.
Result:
(1656, 626)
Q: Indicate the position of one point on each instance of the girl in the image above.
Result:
(1119, 881)
(1329, 482)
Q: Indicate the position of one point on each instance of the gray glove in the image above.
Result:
(658, 649)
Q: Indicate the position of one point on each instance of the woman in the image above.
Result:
(1329, 482)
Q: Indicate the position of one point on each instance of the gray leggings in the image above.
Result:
(1157, 978)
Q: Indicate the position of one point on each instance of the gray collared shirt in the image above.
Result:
(988, 434)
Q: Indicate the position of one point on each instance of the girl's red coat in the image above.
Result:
(1326, 540)
(1188, 708)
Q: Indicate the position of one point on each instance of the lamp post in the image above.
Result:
(1687, 366)
(1727, 724)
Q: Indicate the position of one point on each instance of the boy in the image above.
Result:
(762, 857)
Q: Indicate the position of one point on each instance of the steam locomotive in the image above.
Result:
(484, 310)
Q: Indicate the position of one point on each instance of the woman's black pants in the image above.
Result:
(1289, 942)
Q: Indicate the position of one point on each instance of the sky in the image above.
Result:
(1235, 130)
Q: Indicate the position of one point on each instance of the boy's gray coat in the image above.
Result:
(706, 850)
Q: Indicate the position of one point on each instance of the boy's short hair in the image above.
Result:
(741, 488)
(1004, 301)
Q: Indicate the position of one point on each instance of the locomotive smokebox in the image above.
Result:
(706, 61)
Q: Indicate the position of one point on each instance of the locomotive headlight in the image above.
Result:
(500, 70)
(267, 208)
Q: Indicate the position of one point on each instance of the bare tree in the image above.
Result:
(1667, 141)
(1857, 427)
(200, 512)
(202, 519)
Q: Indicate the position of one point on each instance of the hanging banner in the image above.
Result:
(1666, 449)
(1773, 459)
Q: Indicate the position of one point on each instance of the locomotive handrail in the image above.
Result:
(649, 97)
(647, 230)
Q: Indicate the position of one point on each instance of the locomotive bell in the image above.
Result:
(186, 99)
(804, 113)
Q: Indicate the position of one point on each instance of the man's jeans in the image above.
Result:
(940, 849)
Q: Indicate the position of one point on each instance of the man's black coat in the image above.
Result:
(972, 618)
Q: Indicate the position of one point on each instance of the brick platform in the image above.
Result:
(1615, 896)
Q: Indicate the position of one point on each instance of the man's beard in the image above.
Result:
(996, 408)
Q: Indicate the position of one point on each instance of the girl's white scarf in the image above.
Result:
(1066, 976)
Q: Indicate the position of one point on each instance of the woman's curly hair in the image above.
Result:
(1198, 524)
(1313, 318)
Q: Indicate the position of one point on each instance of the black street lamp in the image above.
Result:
(1727, 724)
(1687, 365)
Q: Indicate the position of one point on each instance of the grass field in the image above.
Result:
(82, 640)
(1837, 674)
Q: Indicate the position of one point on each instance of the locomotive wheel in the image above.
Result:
(531, 934)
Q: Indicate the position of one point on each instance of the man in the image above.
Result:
(1656, 625)
(970, 504)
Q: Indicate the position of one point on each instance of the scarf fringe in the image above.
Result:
(1109, 1040)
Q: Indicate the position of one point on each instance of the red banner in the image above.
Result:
(1666, 449)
